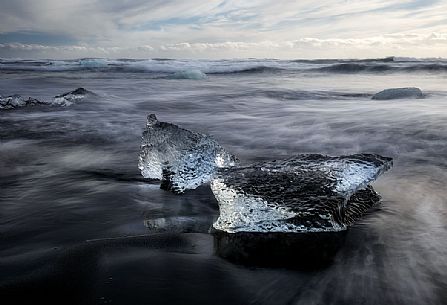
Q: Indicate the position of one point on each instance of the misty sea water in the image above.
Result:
(80, 225)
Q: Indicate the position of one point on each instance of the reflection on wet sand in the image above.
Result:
(300, 251)
(304, 251)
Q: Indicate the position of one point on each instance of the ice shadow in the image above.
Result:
(301, 251)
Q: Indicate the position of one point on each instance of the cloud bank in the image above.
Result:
(222, 29)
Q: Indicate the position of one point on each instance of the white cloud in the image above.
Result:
(385, 45)
(231, 28)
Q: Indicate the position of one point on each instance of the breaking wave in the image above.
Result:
(188, 74)
(354, 68)
(380, 68)
(170, 67)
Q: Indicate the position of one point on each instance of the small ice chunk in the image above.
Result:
(179, 224)
(69, 98)
(17, 101)
(398, 93)
(188, 74)
(306, 193)
(182, 159)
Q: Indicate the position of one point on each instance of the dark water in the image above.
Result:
(79, 225)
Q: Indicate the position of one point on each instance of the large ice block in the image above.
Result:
(182, 159)
(305, 193)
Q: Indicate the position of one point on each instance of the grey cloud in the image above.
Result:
(386, 43)
(197, 26)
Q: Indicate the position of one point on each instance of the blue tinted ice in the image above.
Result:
(398, 93)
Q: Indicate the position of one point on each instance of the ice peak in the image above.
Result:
(151, 120)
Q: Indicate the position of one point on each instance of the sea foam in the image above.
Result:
(188, 74)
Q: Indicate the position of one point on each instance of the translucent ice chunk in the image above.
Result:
(306, 193)
(69, 98)
(182, 159)
(179, 224)
(397, 93)
(17, 101)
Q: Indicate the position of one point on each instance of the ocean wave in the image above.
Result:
(158, 65)
(188, 74)
(340, 61)
(381, 68)
(93, 63)
(165, 67)
(254, 69)
(434, 67)
(354, 68)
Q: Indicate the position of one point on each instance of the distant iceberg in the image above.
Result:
(18, 101)
(70, 98)
(398, 93)
(306, 193)
(182, 159)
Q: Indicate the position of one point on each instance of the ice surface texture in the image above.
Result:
(66, 99)
(306, 193)
(397, 93)
(182, 159)
(69, 98)
(17, 101)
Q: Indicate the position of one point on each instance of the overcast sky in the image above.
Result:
(223, 29)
